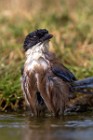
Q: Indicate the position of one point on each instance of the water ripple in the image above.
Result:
(84, 123)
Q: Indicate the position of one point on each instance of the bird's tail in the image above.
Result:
(84, 86)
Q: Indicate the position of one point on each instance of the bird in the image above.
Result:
(46, 82)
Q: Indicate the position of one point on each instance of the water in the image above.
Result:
(24, 127)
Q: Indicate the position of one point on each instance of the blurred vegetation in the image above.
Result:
(71, 23)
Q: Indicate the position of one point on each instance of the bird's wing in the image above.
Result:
(59, 69)
(63, 73)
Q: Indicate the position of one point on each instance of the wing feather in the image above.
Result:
(63, 73)
(59, 69)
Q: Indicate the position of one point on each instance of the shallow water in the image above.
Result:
(24, 127)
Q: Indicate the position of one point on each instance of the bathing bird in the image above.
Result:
(46, 82)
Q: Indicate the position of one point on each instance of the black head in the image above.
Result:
(35, 37)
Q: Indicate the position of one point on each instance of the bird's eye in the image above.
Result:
(34, 36)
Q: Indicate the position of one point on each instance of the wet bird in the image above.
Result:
(47, 83)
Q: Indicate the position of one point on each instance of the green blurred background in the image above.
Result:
(71, 23)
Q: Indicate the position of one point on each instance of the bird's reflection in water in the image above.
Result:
(43, 129)
(40, 129)
(49, 128)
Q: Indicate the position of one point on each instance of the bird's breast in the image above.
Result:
(40, 63)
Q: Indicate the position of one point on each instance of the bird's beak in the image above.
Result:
(46, 37)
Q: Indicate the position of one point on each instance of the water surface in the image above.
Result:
(24, 127)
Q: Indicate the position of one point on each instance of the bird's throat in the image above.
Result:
(37, 51)
(36, 57)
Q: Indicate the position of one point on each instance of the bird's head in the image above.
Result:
(36, 37)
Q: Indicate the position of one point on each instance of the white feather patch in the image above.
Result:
(36, 57)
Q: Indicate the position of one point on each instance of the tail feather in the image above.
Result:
(85, 81)
(84, 86)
